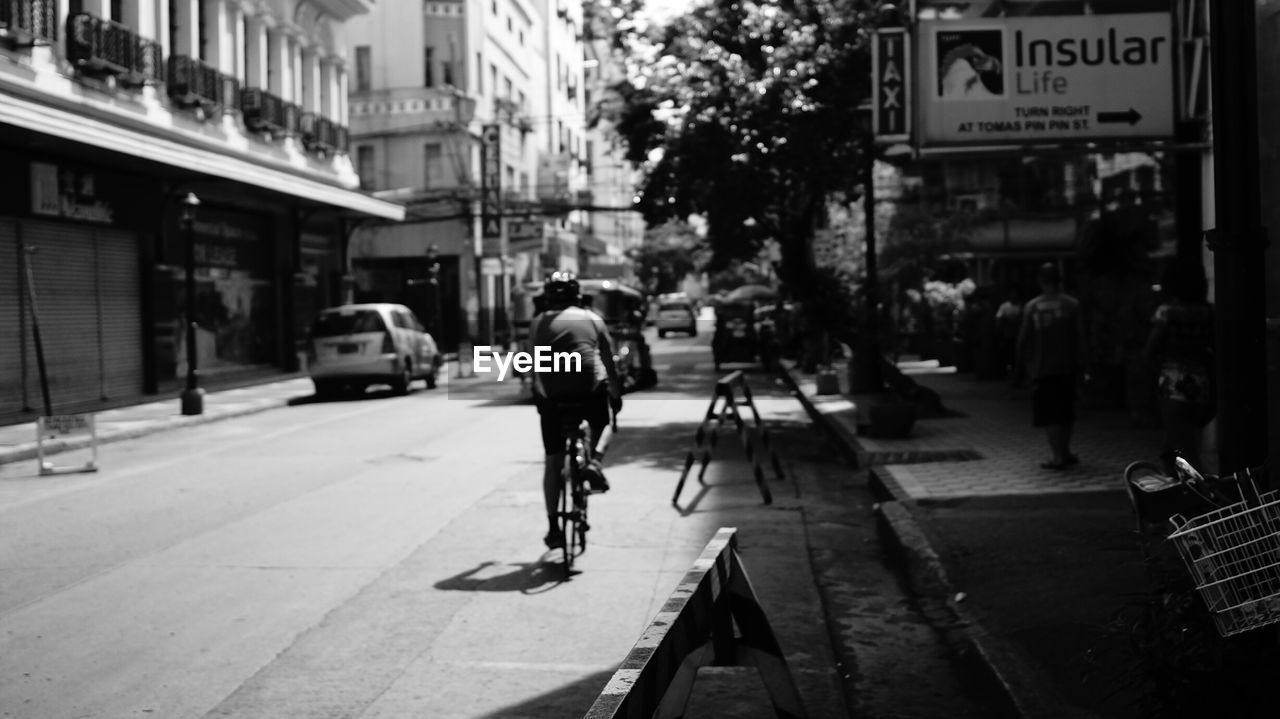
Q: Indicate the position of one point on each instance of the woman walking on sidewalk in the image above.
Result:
(1050, 352)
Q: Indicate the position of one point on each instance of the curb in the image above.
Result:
(31, 450)
(1025, 692)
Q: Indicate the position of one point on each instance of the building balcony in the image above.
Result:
(24, 23)
(264, 112)
(193, 83)
(322, 135)
(103, 48)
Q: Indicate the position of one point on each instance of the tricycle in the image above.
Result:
(736, 339)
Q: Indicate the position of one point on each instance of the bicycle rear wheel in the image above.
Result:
(568, 521)
(578, 541)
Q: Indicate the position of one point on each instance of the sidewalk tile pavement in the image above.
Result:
(1028, 563)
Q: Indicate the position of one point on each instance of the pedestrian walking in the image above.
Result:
(1180, 348)
(1051, 355)
(1008, 323)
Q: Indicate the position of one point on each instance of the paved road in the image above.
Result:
(381, 557)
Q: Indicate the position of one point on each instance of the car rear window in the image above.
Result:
(672, 306)
(336, 324)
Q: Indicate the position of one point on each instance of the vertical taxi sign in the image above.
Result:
(491, 190)
(890, 58)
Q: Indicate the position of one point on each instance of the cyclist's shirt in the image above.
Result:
(579, 332)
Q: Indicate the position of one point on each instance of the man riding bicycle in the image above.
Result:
(588, 390)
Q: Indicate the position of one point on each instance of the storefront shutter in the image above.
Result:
(66, 297)
(120, 314)
(11, 327)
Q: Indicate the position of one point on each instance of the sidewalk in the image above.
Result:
(1023, 566)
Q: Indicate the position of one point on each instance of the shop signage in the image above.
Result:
(491, 190)
(525, 236)
(226, 239)
(66, 193)
(490, 266)
(891, 112)
(1026, 79)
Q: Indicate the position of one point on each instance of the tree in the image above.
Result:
(747, 114)
(667, 255)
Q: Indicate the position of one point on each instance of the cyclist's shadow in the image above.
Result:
(526, 577)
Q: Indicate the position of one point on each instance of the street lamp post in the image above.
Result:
(192, 396)
(868, 378)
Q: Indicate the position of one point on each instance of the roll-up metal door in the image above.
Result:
(12, 330)
(120, 314)
(65, 281)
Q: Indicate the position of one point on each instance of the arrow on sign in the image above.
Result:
(1130, 117)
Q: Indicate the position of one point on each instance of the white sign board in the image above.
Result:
(60, 429)
(1035, 79)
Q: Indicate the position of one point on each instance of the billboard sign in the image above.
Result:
(525, 236)
(891, 98)
(1036, 79)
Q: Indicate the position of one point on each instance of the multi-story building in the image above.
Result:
(611, 179)
(419, 135)
(114, 113)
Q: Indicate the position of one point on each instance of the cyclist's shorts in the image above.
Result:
(593, 408)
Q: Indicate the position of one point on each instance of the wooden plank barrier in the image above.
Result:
(724, 406)
(695, 628)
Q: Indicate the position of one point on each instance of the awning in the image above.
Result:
(111, 130)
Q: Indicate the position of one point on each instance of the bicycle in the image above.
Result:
(573, 495)
(1229, 546)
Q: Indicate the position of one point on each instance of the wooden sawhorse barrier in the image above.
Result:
(695, 629)
(724, 404)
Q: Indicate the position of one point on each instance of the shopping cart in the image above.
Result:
(1233, 554)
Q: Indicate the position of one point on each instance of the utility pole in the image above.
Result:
(1239, 241)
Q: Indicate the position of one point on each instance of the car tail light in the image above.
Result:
(388, 346)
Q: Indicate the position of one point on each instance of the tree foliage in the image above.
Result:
(667, 255)
(743, 110)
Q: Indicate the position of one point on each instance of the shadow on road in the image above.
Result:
(525, 577)
(356, 396)
(569, 700)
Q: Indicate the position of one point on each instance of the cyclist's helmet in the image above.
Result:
(562, 289)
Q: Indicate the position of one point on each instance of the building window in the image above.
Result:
(364, 167)
(493, 78)
(446, 72)
(493, 5)
(432, 165)
(479, 74)
(364, 76)
(428, 66)
(507, 85)
(511, 26)
(520, 100)
(522, 38)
